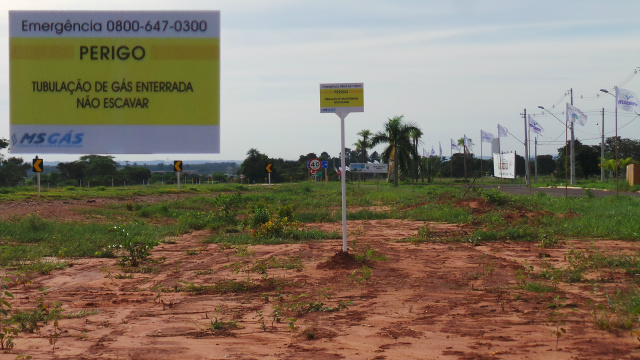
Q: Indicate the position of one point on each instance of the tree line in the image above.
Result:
(401, 142)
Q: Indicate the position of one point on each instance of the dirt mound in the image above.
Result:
(340, 260)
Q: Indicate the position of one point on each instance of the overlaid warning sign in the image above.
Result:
(346, 97)
(114, 82)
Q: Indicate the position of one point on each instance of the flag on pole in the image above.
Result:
(502, 131)
(454, 145)
(627, 100)
(424, 152)
(440, 146)
(535, 126)
(486, 136)
(574, 114)
(433, 152)
(467, 142)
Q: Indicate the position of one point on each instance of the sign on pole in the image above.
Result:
(342, 99)
(504, 165)
(177, 167)
(372, 168)
(37, 168)
(37, 165)
(114, 82)
(315, 164)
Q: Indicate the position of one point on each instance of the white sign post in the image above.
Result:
(341, 99)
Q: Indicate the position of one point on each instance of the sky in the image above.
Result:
(451, 67)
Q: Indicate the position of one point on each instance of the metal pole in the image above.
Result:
(343, 177)
(526, 150)
(602, 150)
(38, 180)
(178, 173)
(573, 152)
(566, 155)
(616, 141)
(481, 175)
(536, 159)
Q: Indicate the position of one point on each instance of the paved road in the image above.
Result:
(522, 190)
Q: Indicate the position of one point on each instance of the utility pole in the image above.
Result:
(573, 153)
(536, 160)
(526, 150)
(602, 150)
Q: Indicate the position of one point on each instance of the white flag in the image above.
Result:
(454, 145)
(485, 136)
(433, 152)
(467, 142)
(502, 131)
(440, 145)
(424, 152)
(535, 126)
(574, 114)
(627, 100)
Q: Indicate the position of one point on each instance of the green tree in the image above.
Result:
(626, 148)
(415, 135)
(135, 174)
(99, 169)
(254, 166)
(12, 170)
(587, 160)
(396, 135)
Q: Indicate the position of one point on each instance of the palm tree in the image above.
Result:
(364, 144)
(415, 135)
(400, 149)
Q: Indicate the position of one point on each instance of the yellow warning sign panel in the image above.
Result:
(342, 97)
(114, 82)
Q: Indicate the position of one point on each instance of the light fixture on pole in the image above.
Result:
(566, 185)
(616, 122)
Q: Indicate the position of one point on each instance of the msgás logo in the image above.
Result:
(44, 139)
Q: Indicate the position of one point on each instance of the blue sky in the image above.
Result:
(451, 67)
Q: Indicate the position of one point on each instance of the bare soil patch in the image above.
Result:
(428, 301)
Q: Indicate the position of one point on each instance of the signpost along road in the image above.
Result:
(341, 99)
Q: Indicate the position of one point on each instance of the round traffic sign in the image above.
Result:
(241, 176)
(315, 164)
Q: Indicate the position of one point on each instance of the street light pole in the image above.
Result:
(602, 150)
(566, 191)
(573, 152)
(616, 138)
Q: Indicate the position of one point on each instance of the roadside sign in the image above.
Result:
(374, 168)
(315, 164)
(177, 166)
(268, 168)
(241, 176)
(313, 172)
(325, 164)
(141, 75)
(37, 165)
(341, 98)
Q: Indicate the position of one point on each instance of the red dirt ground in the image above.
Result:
(428, 301)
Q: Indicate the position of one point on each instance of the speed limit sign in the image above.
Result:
(315, 164)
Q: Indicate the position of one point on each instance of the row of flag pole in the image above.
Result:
(626, 100)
